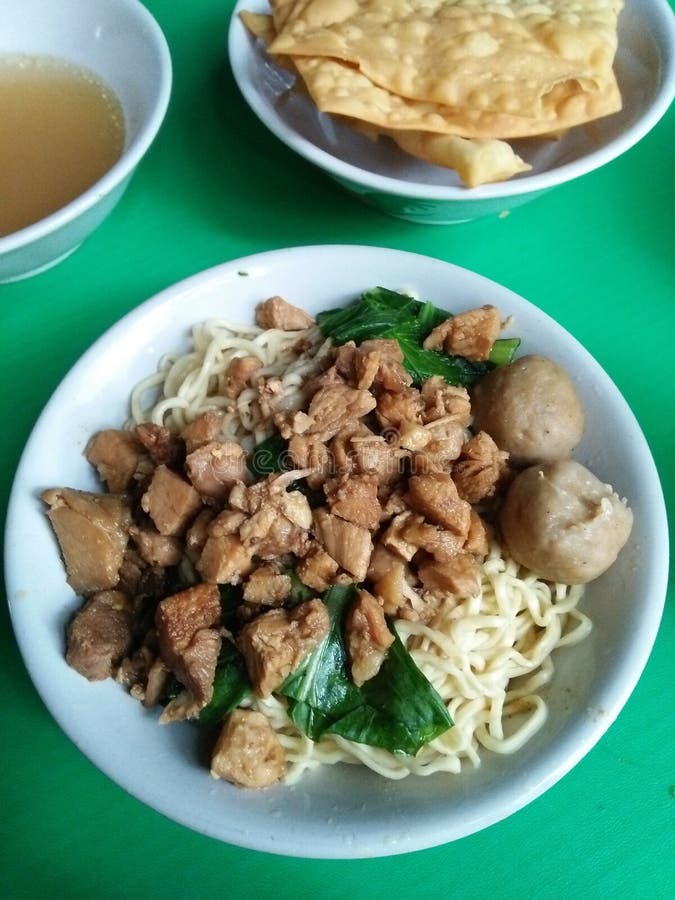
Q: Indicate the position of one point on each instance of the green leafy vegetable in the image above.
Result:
(269, 456)
(230, 685)
(398, 709)
(381, 313)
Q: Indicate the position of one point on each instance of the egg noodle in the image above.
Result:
(487, 656)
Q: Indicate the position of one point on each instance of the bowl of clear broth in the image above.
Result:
(84, 88)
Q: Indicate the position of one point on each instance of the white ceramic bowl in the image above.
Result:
(121, 42)
(343, 811)
(395, 183)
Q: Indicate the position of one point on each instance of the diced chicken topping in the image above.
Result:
(156, 549)
(247, 752)
(458, 576)
(279, 313)
(92, 531)
(188, 642)
(436, 497)
(396, 410)
(214, 467)
(267, 587)
(470, 334)
(275, 643)
(203, 429)
(354, 498)
(332, 407)
(99, 635)
(479, 469)
(225, 559)
(117, 455)
(170, 501)
(445, 402)
(477, 540)
(164, 447)
(317, 569)
(240, 374)
(368, 637)
(350, 545)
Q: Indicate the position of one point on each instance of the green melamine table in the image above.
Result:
(596, 254)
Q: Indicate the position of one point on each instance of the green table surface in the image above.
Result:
(596, 254)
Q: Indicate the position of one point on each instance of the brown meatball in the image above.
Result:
(531, 409)
(563, 523)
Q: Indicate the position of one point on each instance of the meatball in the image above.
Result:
(531, 409)
(563, 523)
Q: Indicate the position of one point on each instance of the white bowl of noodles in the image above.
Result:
(334, 811)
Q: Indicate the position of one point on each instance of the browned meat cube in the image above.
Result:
(99, 635)
(240, 375)
(368, 637)
(354, 497)
(224, 559)
(188, 643)
(334, 406)
(436, 497)
(478, 539)
(214, 467)
(203, 429)
(458, 576)
(479, 469)
(170, 501)
(443, 400)
(278, 313)
(470, 334)
(156, 549)
(116, 454)
(350, 545)
(92, 531)
(267, 586)
(395, 410)
(248, 752)
(163, 445)
(275, 643)
(317, 569)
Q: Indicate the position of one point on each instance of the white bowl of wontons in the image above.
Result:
(332, 114)
(333, 811)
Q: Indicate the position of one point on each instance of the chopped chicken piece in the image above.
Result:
(267, 587)
(342, 447)
(435, 540)
(275, 643)
(92, 531)
(398, 409)
(350, 545)
(117, 455)
(381, 561)
(436, 497)
(367, 637)
(445, 401)
(163, 445)
(247, 752)
(188, 642)
(390, 374)
(458, 576)
(393, 589)
(239, 375)
(156, 549)
(477, 540)
(99, 635)
(374, 454)
(278, 313)
(317, 569)
(170, 501)
(214, 467)
(203, 429)
(354, 497)
(334, 406)
(308, 452)
(393, 538)
(470, 334)
(277, 520)
(479, 468)
(447, 440)
(224, 559)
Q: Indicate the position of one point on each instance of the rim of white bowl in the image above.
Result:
(129, 159)
(333, 165)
